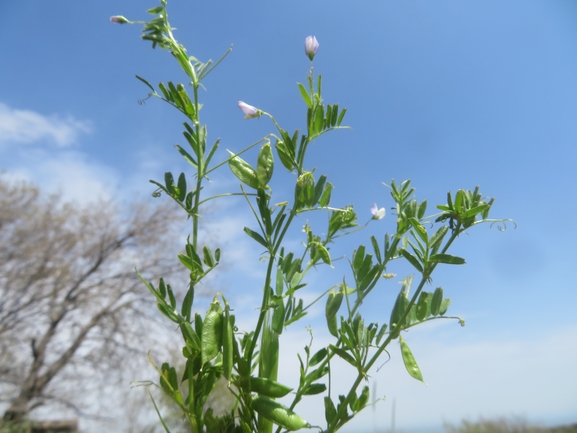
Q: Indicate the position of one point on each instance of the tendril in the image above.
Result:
(387, 352)
(502, 224)
(143, 101)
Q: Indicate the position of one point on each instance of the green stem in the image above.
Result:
(200, 169)
(362, 374)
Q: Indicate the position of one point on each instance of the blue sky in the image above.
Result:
(449, 94)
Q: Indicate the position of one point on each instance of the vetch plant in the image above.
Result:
(213, 346)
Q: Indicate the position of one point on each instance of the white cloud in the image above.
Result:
(27, 126)
(69, 173)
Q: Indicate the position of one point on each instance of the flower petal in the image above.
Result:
(249, 111)
(378, 214)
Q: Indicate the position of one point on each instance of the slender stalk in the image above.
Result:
(362, 374)
(200, 169)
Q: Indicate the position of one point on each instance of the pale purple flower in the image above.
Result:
(249, 111)
(311, 46)
(378, 214)
(118, 19)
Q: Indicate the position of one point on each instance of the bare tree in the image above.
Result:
(70, 302)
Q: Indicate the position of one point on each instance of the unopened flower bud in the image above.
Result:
(249, 111)
(311, 46)
(119, 19)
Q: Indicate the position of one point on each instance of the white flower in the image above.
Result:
(249, 111)
(378, 214)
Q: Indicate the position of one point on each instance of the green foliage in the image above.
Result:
(214, 347)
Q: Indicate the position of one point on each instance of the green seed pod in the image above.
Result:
(211, 336)
(266, 387)
(305, 190)
(409, 361)
(243, 171)
(277, 413)
(334, 303)
(264, 165)
(227, 346)
(332, 326)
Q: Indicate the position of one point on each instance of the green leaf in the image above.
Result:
(256, 237)
(164, 91)
(444, 306)
(422, 306)
(326, 197)
(420, 229)
(181, 187)
(187, 156)
(368, 278)
(358, 258)
(319, 188)
(284, 157)
(447, 259)
(171, 296)
(266, 386)
(211, 153)
(381, 333)
(437, 238)
(412, 259)
(146, 82)
(187, 302)
(176, 96)
(278, 316)
(169, 183)
(341, 116)
(208, 259)
(343, 354)
(315, 388)
(422, 209)
(296, 279)
(376, 249)
(330, 410)
(305, 95)
(318, 357)
(162, 288)
(319, 120)
(436, 301)
(459, 201)
(476, 210)
(155, 10)
(335, 113)
(279, 282)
